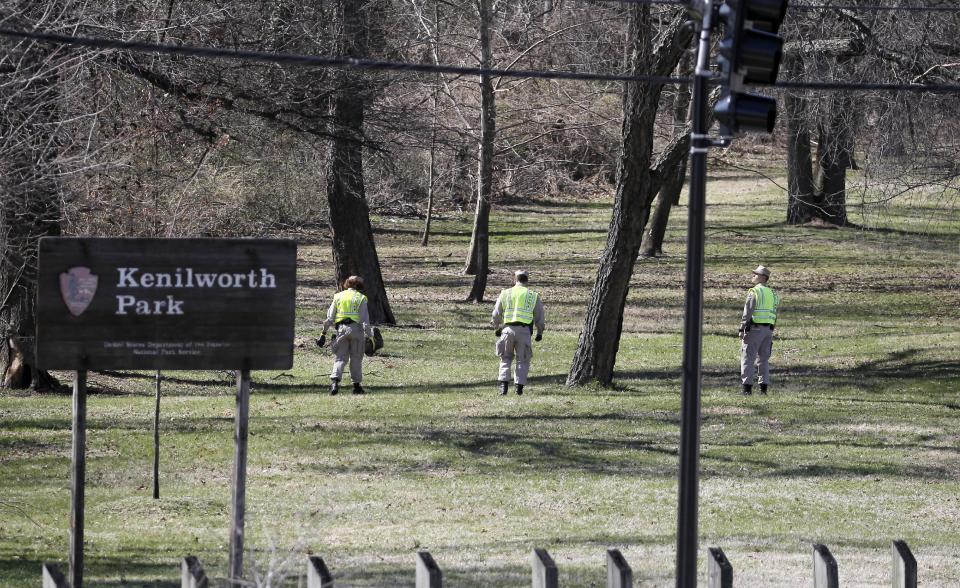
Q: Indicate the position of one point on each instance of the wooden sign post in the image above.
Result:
(164, 304)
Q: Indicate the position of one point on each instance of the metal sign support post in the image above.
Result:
(689, 473)
(78, 476)
(239, 487)
(156, 440)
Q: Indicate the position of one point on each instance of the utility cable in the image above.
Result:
(318, 61)
(932, 88)
(371, 64)
(863, 7)
(654, 2)
(872, 8)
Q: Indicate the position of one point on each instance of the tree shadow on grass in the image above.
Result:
(539, 232)
(848, 441)
(875, 375)
(923, 237)
(639, 457)
(523, 204)
(98, 571)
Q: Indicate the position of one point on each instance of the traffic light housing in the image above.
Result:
(750, 53)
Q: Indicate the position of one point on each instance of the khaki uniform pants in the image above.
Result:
(755, 349)
(348, 346)
(514, 342)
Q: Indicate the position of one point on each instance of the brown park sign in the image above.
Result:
(118, 303)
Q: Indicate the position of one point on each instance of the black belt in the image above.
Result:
(345, 321)
(762, 325)
(518, 324)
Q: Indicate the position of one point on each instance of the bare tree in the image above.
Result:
(801, 195)
(834, 158)
(879, 130)
(600, 338)
(35, 82)
(354, 251)
(479, 256)
(263, 113)
(431, 168)
(669, 194)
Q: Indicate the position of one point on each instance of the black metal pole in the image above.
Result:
(78, 477)
(156, 440)
(689, 475)
(239, 488)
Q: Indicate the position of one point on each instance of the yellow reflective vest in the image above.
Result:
(518, 304)
(765, 303)
(348, 304)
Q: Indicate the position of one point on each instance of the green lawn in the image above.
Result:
(857, 445)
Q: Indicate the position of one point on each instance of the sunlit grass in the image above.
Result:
(856, 446)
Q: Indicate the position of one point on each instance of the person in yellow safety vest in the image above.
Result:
(756, 332)
(348, 314)
(517, 311)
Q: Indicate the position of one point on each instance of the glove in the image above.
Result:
(539, 336)
(498, 332)
(322, 340)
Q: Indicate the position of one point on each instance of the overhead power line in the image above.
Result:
(319, 61)
(377, 65)
(873, 8)
(860, 7)
(867, 86)
(662, 2)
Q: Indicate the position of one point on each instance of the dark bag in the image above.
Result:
(374, 344)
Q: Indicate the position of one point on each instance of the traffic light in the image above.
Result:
(750, 53)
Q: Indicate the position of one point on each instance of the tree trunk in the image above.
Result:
(29, 200)
(600, 338)
(673, 184)
(669, 193)
(834, 156)
(354, 250)
(462, 185)
(479, 257)
(25, 218)
(432, 171)
(431, 175)
(802, 200)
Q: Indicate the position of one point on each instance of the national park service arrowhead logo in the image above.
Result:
(77, 286)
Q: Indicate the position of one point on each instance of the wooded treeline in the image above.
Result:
(113, 142)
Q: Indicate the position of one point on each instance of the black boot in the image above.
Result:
(519, 389)
(746, 389)
(334, 387)
(503, 388)
(763, 389)
(358, 389)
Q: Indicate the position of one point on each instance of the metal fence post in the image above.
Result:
(428, 572)
(619, 574)
(824, 568)
(544, 569)
(904, 565)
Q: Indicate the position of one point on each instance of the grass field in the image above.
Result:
(857, 445)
